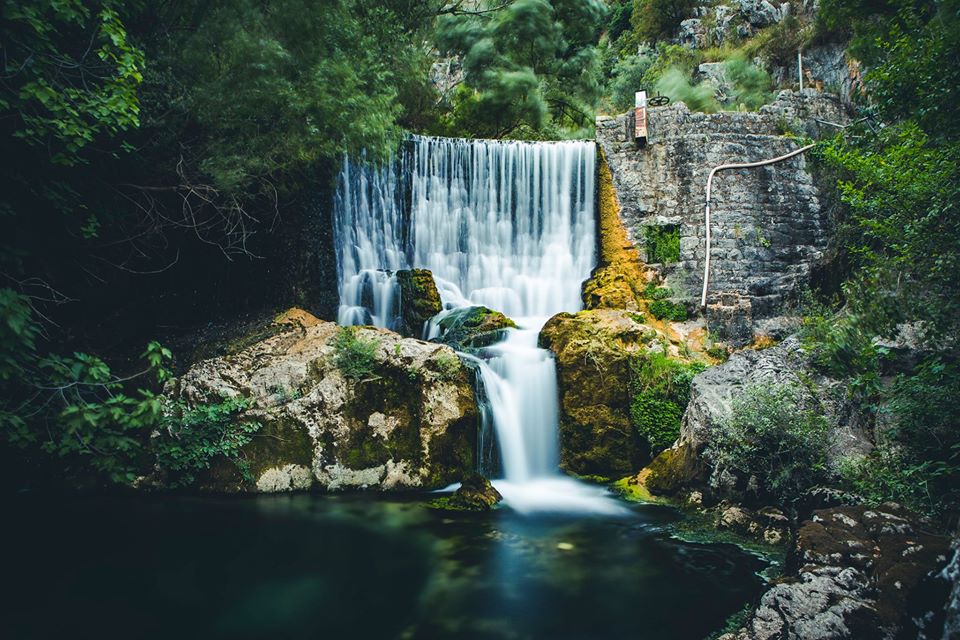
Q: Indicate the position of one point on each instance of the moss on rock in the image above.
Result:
(670, 471)
(471, 328)
(419, 300)
(475, 494)
(594, 350)
(620, 277)
(410, 421)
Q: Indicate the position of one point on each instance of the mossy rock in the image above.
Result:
(671, 471)
(475, 494)
(472, 328)
(419, 300)
(594, 351)
(634, 488)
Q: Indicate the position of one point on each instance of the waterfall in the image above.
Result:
(506, 225)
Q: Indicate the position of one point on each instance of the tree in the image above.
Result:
(530, 67)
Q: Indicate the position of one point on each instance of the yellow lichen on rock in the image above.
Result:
(620, 277)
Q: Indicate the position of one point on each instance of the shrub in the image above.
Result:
(668, 310)
(775, 435)
(354, 355)
(751, 84)
(663, 244)
(660, 392)
(190, 438)
(718, 352)
(917, 459)
(676, 84)
(653, 292)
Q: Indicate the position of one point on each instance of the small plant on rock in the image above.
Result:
(668, 310)
(354, 355)
(447, 366)
(190, 438)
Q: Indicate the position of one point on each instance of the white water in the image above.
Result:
(506, 225)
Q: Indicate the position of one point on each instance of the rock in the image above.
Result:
(711, 398)
(408, 422)
(826, 67)
(768, 525)
(851, 573)
(715, 74)
(670, 471)
(620, 278)
(419, 301)
(951, 574)
(692, 34)
(770, 226)
(471, 328)
(593, 350)
(475, 494)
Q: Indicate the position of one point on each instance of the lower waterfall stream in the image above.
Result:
(506, 225)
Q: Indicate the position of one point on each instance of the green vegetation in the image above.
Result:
(668, 310)
(659, 391)
(776, 435)
(101, 426)
(655, 20)
(530, 68)
(189, 439)
(917, 459)
(663, 244)
(447, 366)
(899, 184)
(355, 355)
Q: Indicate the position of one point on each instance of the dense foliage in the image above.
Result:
(660, 391)
(898, 176)
(530, 69)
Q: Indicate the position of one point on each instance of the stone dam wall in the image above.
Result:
(769, 224)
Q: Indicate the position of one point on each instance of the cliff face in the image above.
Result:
(769, 225)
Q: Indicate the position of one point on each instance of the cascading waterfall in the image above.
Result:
(506, 225)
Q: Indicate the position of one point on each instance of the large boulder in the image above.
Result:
(419, 301)
(393, 413)
(850, 577)
(593, 351)
(711, 402)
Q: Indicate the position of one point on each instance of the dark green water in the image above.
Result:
(311, 566)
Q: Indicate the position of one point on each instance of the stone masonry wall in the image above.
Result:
(768, 227)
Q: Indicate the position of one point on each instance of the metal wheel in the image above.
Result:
(658, 101)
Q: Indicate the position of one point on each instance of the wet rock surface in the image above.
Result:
(409, 422)
(471, 328)
(475, 494)
(852, 572)
(419, 301)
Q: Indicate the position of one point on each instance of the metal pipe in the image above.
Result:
(713, 172)
(800, 68)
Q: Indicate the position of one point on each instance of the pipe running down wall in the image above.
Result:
(713, 172)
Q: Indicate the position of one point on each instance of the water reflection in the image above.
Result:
(357, 567)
